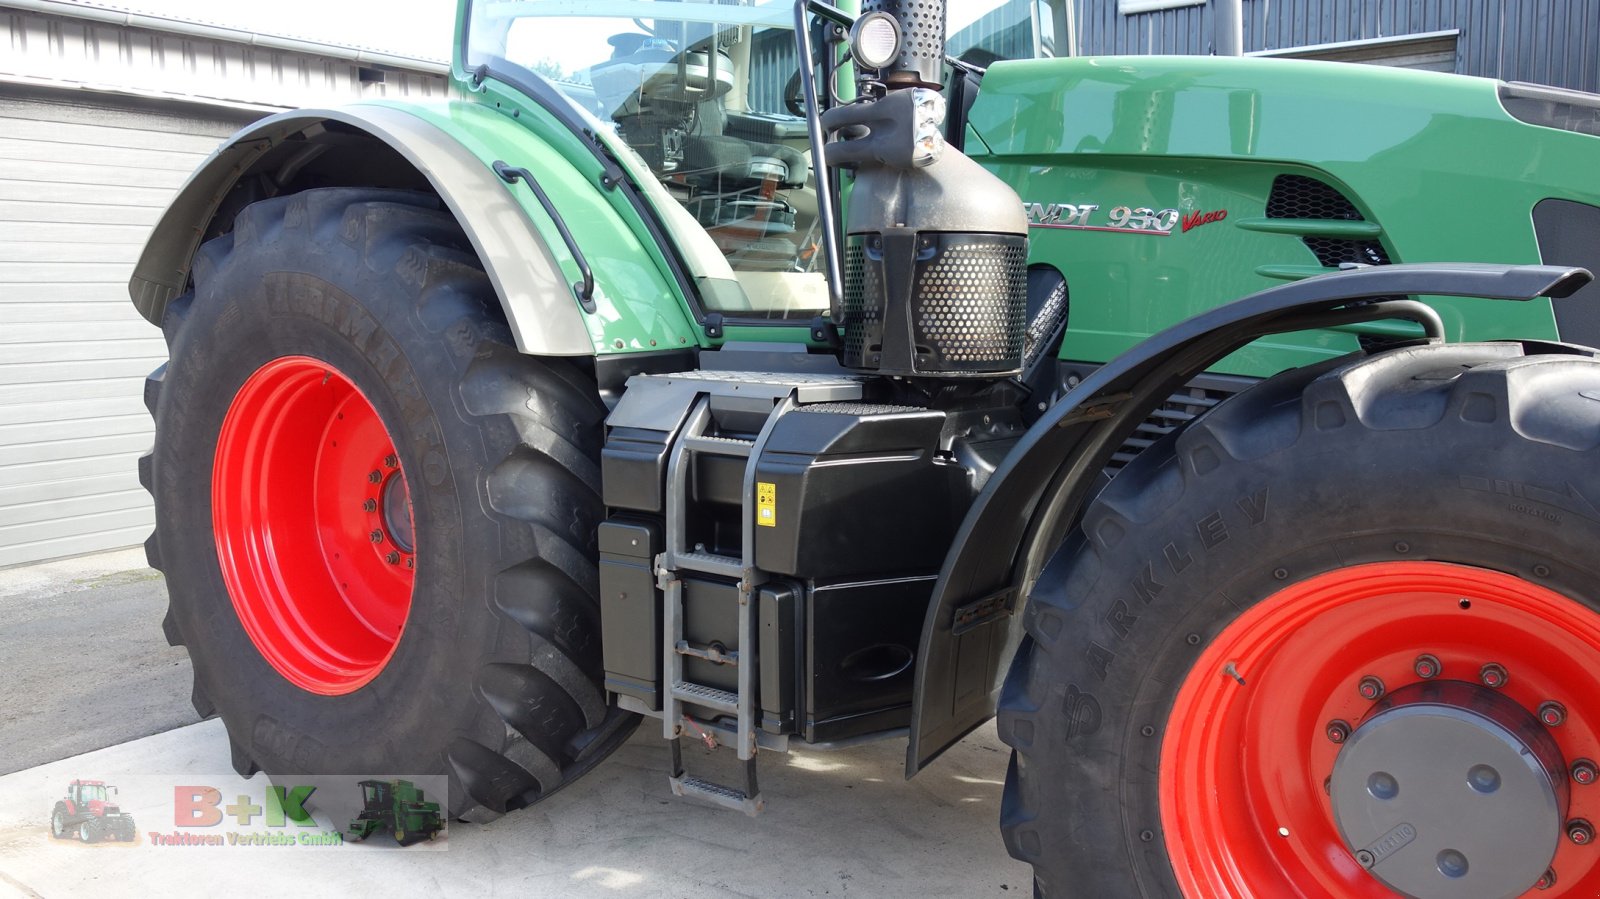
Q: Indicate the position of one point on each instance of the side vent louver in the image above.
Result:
(1312, 201)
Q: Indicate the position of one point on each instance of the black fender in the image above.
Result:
(1036, 494)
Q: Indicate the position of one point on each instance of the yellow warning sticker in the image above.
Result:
(766, 504)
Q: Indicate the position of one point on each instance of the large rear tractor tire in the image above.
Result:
(376, 518)
(1339, 637)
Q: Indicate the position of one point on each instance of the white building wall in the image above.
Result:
(99, 125)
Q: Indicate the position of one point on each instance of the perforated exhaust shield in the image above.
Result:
(967, 306)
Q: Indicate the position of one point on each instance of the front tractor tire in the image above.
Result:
(1339, 637)
(376, 518)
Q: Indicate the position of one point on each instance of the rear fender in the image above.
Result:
(1034, 497)
(531, 268)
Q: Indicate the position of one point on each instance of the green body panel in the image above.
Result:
(639, 307)
(1433, 160)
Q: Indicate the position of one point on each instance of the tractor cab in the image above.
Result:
(374, 794)
(85, 793)
(701, 97)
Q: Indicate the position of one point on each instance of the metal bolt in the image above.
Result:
(1552, 713)
(392, 460)
(1427, 666)
(1546, 880)
(1338, 730)
(1584, 772)
(1370, 688)
(370, 505)
(1580, 831)
(1493, 675)
(1365, 858)
(411, 562)
(393, 558)
(376, 535)
(375, 476)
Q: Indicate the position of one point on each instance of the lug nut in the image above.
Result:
(392, 460)
(1552, 713)
(411, 562)
(1338, 730)
(370, 505)
(1427, 666)
(1584, 772)
(1546, 880)
(374, 476)
(1370, 688)
(1580, 831)
(393, 557)
(1493, 675)
(376, 535)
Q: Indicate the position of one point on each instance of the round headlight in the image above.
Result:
(875, 40)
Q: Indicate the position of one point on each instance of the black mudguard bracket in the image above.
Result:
(1036, 494)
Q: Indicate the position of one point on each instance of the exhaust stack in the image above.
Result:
(935, 273)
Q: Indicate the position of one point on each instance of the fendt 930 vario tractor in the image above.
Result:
(648, 377)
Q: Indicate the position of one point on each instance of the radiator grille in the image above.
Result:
(1333, 251)
(1182, 407)
(1300, 197)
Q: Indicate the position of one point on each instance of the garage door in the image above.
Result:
(82, 179)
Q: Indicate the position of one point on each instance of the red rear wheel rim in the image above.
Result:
(1243, 803)
(312, 519)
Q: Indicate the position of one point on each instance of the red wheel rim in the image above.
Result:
(313, 525)
(1243, 803)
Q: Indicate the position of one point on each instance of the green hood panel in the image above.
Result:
(1436, 167)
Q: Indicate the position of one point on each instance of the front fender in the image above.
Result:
(517, 242)
(1035, 496)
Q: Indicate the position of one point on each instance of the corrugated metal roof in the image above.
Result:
(1555, 42)
(75, 52)
(420, 38)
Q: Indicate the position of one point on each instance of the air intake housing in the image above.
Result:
(935, 280)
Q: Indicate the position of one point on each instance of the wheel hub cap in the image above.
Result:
(1450, 789)
(1425, 682)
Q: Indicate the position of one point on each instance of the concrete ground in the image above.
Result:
(837, 823)
(86, 664)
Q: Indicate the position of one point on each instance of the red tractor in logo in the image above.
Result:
(89, 814)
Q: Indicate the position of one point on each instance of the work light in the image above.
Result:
(875, 40)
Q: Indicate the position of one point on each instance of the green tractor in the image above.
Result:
(656, 376)
(398, 807)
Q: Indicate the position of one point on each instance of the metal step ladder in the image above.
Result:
(677, 558)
